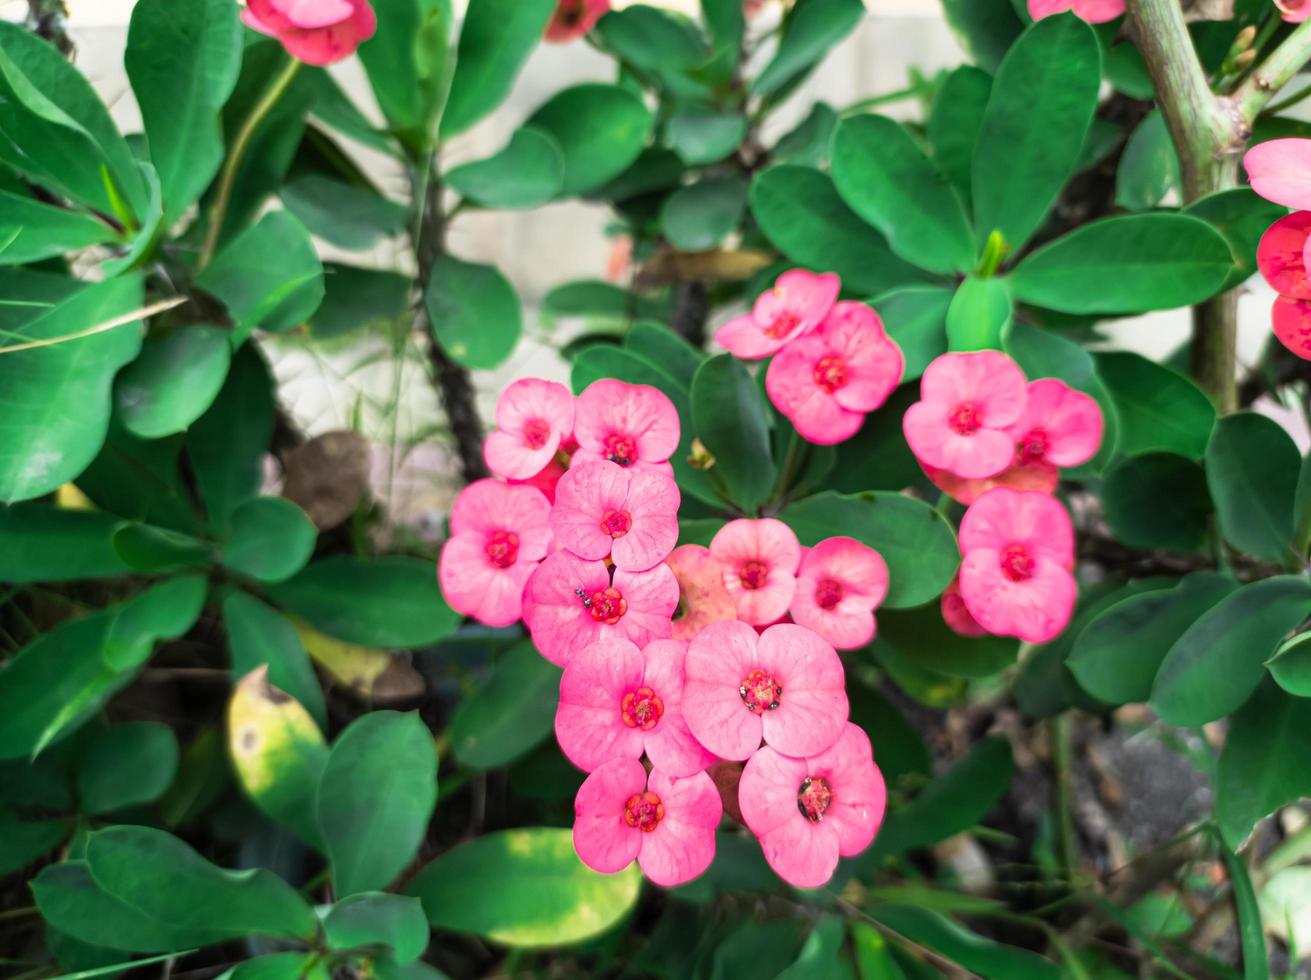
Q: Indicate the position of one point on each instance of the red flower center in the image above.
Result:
(606, 606)
(965, 419)
(814, 796)
(828, 593)
(831, 373)
(760, 691)
(503, 548)
(620, 449)
(1033, 447)
(1016, 563)
(644, 811)
(641, 709)
(783, 325)
(616, 523)
(536, 432)
(753, 574)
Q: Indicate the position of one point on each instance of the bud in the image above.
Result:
(1244, 60)
(701, 457)
(1243, 41)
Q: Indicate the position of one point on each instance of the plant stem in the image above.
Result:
(1067, 841)
(228, 177)
(1275, 72)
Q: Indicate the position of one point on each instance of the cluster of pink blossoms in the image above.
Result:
(577, 539)
(1280, 171)
(993, 440)
(833, 363)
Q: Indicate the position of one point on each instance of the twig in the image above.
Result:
(118, 321)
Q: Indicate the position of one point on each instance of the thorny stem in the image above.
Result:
(228, 177)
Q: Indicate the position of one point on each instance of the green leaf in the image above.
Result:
(1158, 500)
(276, 966)
(510, 714)
(277, 752)
(524, 888)
(980, 312)
(268, 276)
(984, 957)
(226, 445)
(31, 231)
(259, 636)
(921, 637)
(473, 311)
(375, 798)
(1149, 166)
(914, 539)
(57, 397)
(702, 134)
(1263, 763)
(916, 318)
(660, 345)
(800, 212)
(125, 765)
(159, 549)
(699, 216)
(809, 141)
(1242, 218)
(954, 123)
(1038, 114)
(601, 130)
(495, 41)
(44, 543)
(379, 919)
(183, 57)
(986, 28)
(350, 217)
(1140, 262)
(355, 298)
(885, 177)
(1116, 656)
(270, 539)
(167, 880)
(732, 420)
(526, 173)
(174, 380)
(23, 841)
(408, 64)
(1252, 466)
(1157, 408)
(658, 40)
(811, 28)
(1251, 934)
(385, 602)
(47, 110)
(1220, 659)
(954, 802)
(1291, 665)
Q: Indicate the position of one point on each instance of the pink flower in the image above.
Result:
(630, 516)
(759, 560)
(632, 425)
(954, 613)
(967, 404)
(1060, 427)
(785, 685)
(317, 32)
(570, 603)
(1018, 549)
(702, 596)
(499, 533)
(1294, 11)
(795, 306)
(810, 811)
(839, 585)
(1292, 323)
(574, 18)
(1281, 255)
(1092, 11)
(827, 380)
(617, 702)
(1280, 171)
(533, 418)
(666, 823)
(545, 479)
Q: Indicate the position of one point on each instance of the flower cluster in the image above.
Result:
(317, 32)
(1279, 172)
(1092, 11)
(996, 442)
(577, 538)
(833, 363)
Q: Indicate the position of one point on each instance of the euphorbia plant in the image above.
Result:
(851, 504)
